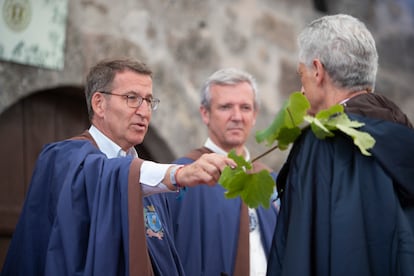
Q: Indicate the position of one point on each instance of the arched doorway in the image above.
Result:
(25, 127)
(28, 125)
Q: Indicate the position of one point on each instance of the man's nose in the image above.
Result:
(236, 113)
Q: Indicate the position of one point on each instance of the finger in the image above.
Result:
(220, 161)
(211, 172)
(199, 172)
(231, 163)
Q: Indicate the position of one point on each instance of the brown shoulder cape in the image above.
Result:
(139, 260)
(376, 106)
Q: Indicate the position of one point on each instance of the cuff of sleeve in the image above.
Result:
(152, 173)
(173, 179)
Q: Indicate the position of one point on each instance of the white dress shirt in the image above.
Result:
(258, 261)
(151, 173)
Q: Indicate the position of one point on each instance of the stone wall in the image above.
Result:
(186, 40)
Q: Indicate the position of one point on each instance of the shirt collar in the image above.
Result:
(214, 148)
(108, 147)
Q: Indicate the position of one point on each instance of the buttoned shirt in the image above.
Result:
(258, 261)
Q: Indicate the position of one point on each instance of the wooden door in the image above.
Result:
(25, 127)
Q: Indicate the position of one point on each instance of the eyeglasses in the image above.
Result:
(135, 101)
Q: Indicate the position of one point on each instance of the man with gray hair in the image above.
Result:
(344, 213)
(212, 233)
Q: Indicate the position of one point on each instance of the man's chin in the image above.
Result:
(235, 143)
(138, 140)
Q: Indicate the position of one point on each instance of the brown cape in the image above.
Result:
(139, 260)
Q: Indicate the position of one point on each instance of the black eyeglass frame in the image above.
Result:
(152, 102)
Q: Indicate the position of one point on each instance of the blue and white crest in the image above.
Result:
(153, 225)
(253, 220)
(153, 221)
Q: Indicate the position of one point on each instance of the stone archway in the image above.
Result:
(41, 118)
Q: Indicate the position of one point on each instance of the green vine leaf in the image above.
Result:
(253, 188)
(285, 128)
(333, 119)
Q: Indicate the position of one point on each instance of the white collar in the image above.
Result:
(108, 146)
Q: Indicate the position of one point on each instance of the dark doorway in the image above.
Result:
(25, 127)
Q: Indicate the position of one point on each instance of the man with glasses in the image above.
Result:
(83, 213)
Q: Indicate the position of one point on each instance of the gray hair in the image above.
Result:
(228, 76)
(102, 75)
(346, 49)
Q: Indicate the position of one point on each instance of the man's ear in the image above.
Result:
(98, 104)
(319, 71)
(205, 114)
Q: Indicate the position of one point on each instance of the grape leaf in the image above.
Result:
(285, 127)
(334, 118)
(253, 188)
(318, 128)
(363, 140)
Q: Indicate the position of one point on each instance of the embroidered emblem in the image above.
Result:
(253, 220)
(153, 226)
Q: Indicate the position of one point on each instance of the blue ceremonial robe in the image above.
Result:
(343, 213)
(206, 228)
(78, 216)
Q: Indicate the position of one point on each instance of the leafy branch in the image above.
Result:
(257, 188)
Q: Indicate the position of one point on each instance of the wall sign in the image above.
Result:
(32, 32)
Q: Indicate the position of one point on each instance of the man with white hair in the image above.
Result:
(344, 213)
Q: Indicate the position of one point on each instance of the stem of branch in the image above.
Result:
(264, 154)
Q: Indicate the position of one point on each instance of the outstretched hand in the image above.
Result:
(205, 170)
